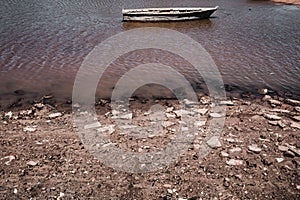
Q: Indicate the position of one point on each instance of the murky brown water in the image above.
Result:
(43, 43)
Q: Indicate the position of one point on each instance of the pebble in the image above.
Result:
(55, 115)
(274, 102)
(263, 91)
(180, 113)
(272, 117)
(10, 158)
(279, 160)
(93, 125)
(200, 123)
(39, 105)
(109, 128)
(166, 124)
(254, 148)
(15, 191)
(170, 109)
(234, 162)
(224, 154)
(8, 115)
(235, 150)
(266, 98)
(279, 110)
(293, 102)
(283, 148)
(29, 129)
(215, 115)
(31, 163)
(227, 103)
(170, 115)
(214, 142)
(297, 109)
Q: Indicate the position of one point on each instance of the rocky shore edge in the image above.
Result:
(293, 2)
(256, 156)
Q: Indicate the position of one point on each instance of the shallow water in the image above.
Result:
(42, 44)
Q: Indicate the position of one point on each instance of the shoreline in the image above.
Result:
(256, 156)
(289, 2)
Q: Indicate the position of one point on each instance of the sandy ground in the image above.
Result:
(257, 155)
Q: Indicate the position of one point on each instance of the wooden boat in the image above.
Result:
(167, 14)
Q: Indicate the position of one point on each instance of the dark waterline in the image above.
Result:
(43, 43)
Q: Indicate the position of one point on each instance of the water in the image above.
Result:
(43, 43)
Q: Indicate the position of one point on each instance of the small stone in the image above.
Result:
(166, 124)
(110, 129)
(227, 103)
(279, 110)
(214, 142)
(263, 91)
(190, 103)
(39, 106)
(297, 109)
(279, 160)
(47, 97)
(283, 148)
(170, 115)
(15, 191)
(170, 109)
(235, 150)
(32, 163)
(272, 117)
(274, 102)
(274, 123)
(61, 195)
(170, 191)
(126, 116)
(180, 113)
(254, 148)
(234, 162)
(55, 115)
(29, 129)
(76, 105)
(224, 154)
(293, 102)
(10, 158)
(216, 115)
(298, 187)
(8, 115)
(93, 125)
(295, 125)
(233, 140)
(200, 123)
(167, 186)
(266, 98)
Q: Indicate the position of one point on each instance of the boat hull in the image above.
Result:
(175, 15)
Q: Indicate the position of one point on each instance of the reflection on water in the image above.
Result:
(43, 42)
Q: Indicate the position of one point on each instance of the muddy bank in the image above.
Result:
(294, 2)
(257, 155)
